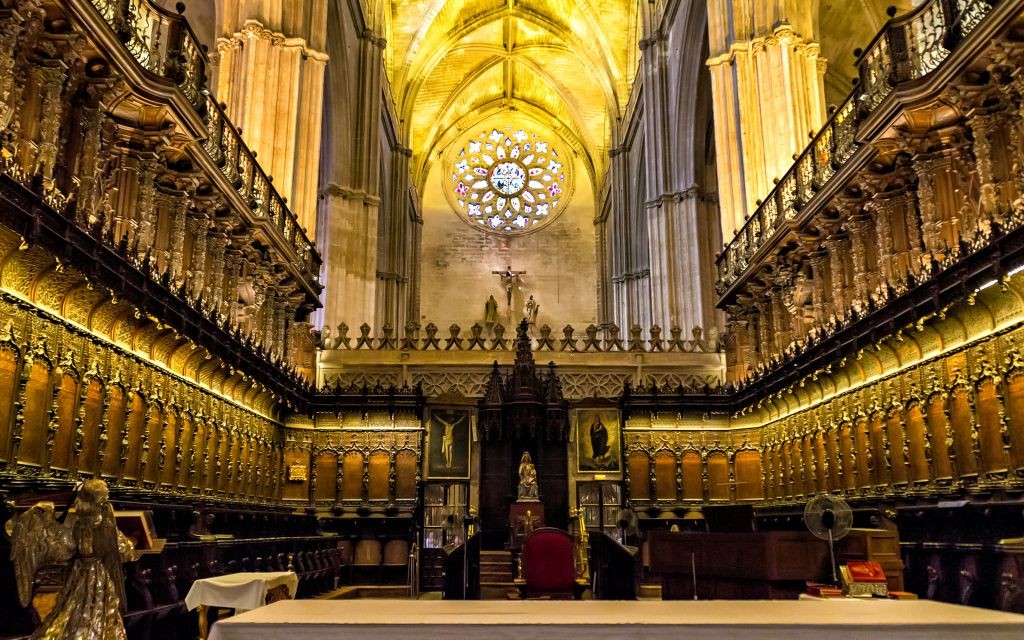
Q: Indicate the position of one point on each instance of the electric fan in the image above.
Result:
(829, 517)
(453, 526)
(627, 524)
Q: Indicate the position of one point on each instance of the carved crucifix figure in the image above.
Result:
(509, 279)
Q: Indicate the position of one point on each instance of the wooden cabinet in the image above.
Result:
(771, 565)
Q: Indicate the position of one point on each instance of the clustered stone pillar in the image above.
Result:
(351, 210)
(273, 86)
(767, 81)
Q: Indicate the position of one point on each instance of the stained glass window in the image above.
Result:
(508, 181)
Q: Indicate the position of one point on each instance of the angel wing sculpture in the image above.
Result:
(90, 602)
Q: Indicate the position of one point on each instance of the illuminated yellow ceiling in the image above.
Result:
(567, 63)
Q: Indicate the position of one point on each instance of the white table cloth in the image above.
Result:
(595, 620)
(239, 591)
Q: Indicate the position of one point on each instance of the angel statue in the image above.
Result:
(89, 604)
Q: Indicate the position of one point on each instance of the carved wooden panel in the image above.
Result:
(665, 476)
(639, 475)
(232, 456)
(880, 451)
(748, 475)
(718, 476)
(116, 415)
(154, 429)
(897, 451)
(963, 431)
(778, 475)
(67, 410)
(917, 443)
(187, 451)
(693, 480)
(92, 413)
(352, 476)
(821, 464)
(213, 447)
(37, 406)
(832, 450)
(297, 489)
(405, 475)
(788, 483)
(226, 440)
(1015, 417)
(938, 433)
(990, 434)
(169, 448)
(9, 373)
(846, 451)
(326, 476)
(810, 468)
(240, 465)
(380, 472)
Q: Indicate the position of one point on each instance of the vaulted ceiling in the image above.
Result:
(568, 64)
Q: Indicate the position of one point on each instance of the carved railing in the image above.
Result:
(596, 339)
(175, 192)
(164, 44)
(907, 49)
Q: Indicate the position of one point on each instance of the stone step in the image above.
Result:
(351, 592)
(495, 576)
(649, 592)
(498, 590)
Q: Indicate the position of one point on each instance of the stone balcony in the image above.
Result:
(594, 362)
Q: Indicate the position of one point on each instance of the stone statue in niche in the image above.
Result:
(491, 311)
(527, 479)
(532, 309)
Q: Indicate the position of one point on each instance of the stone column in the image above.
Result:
(398, 251)
(273, 85)
(680, 243)
(350, 243)
(768, 90)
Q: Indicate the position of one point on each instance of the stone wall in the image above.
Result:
(560, 262)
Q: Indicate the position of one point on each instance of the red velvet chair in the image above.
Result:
(548, 565)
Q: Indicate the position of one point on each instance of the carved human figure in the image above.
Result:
(527, 478)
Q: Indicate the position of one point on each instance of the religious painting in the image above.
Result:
(598, 441)
(448, 435)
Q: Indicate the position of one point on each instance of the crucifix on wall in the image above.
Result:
(509, 278)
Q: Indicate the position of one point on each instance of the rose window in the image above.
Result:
(508, 181)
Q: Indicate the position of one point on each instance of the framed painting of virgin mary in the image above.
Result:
(598, 441)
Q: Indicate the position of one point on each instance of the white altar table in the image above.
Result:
(603, 620)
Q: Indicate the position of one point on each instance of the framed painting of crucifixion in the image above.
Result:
(449, 439)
